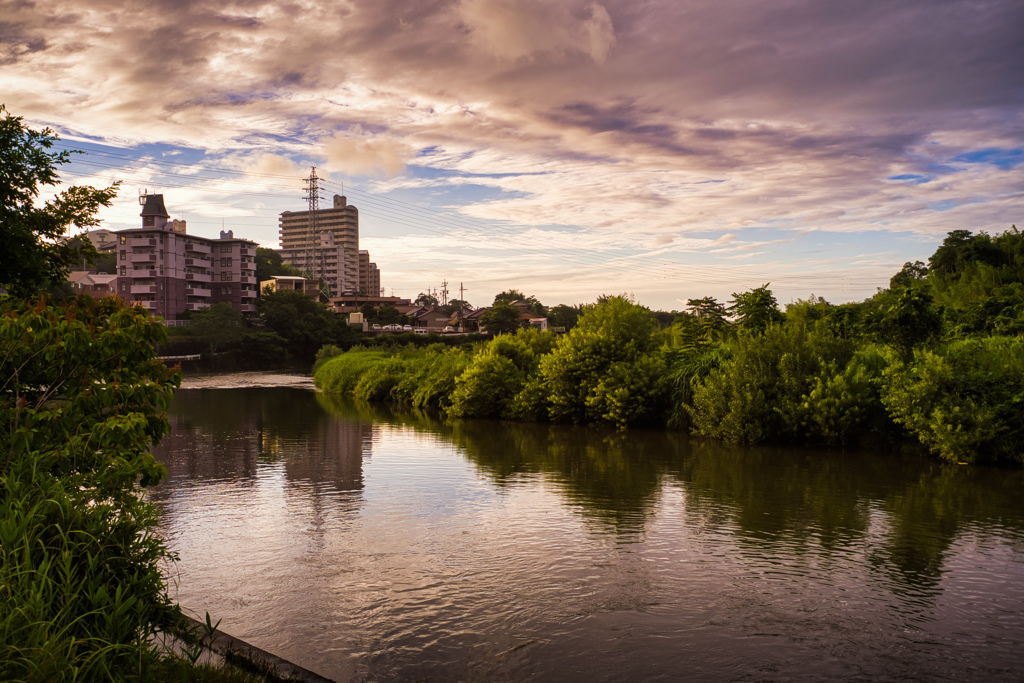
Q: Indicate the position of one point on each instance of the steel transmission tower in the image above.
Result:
(315, 267)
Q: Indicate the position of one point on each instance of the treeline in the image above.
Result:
(936, 359)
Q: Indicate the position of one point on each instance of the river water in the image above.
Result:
(368, 545)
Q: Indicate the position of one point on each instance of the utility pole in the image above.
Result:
(444, 293)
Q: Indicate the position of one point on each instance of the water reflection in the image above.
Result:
(373, 545)
(769, 497)
(229, 433)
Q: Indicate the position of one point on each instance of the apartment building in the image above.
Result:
(166, 270)
(339, 244)
(369, 275)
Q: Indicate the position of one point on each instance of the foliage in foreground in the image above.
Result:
(82, 399)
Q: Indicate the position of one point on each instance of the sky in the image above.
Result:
(667, 149)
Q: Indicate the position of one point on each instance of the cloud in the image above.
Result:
(512, 30)
(640, 127)
(354, 153)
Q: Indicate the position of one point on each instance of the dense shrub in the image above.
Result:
(340, 374)
(965, 400)
(586, 374)
(758, 393)
(430, 379)
(487, 387)
(376, 383)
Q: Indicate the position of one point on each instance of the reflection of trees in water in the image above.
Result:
(610, 476)
(798, 498)
(230, 433)
(823, 502)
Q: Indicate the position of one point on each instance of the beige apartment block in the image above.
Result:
(369, 275)
(339, 244)
(167, 271)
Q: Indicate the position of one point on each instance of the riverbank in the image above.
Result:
(238, 380)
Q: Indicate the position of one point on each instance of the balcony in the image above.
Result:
(197, 248)
(198, 277)
(197, 291)
(148, 305)
(247, 280)
(199, 262)
(141, 241)
(142, 258)
(196, 306)
(143, 289)
(244, 251)
(247, 308)
(142, 272)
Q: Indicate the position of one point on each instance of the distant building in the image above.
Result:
(369, 275)
(284, 283)
(95, 284)
(339, 244)
(170, 272)
(353, 302)
(104, 240)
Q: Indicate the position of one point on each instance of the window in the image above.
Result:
(124, 271)
(123, 255)
(225, 277)
(225, 290)
(225, 248)
(148, 220)
(225, 263)
(124, 287)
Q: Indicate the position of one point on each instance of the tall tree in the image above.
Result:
(33, 255)
(425, 300)
(305, 324)
(756, 309)
(270, 263)
(502, 317)
(219, 325)
(510, 295)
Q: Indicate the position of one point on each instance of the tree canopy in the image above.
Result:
(501, 318)
(269, 263)
(426, 300)
(33, 252)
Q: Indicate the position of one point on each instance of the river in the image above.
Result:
(368, 545)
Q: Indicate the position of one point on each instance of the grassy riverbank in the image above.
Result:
(937, 359)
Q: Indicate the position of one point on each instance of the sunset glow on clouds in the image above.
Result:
(671, 149)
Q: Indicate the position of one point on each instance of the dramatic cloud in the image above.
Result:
(621, 129)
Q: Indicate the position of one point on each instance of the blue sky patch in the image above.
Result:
(1004, 159)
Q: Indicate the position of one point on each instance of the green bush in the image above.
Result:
(326, 352)
(376, 383)
(579, 376)
(963, 401)
(486, 388)
(340, 374)
(758, 393)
